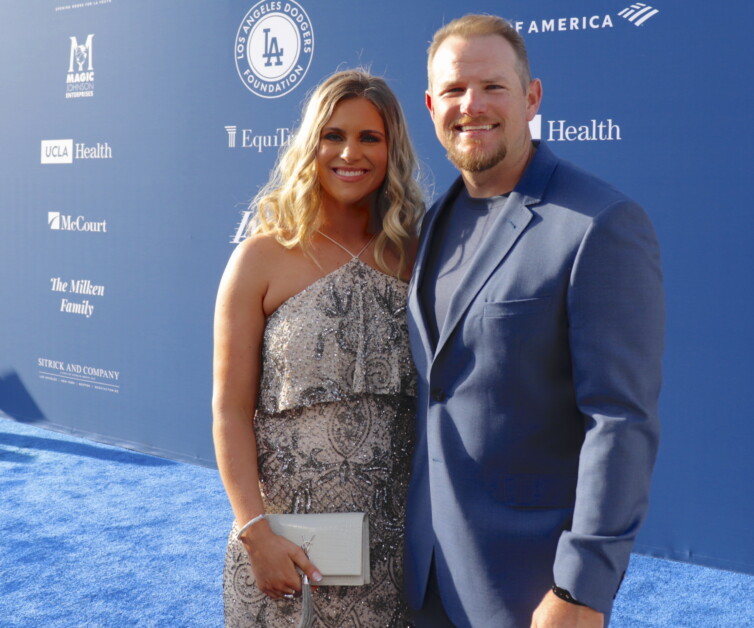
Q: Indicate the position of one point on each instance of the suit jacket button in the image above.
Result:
(439, 395)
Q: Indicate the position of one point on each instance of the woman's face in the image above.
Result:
(352, 154)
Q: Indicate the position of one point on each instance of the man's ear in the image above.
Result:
(428, 102)
(533, 98)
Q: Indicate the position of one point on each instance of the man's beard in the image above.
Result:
(475, 160)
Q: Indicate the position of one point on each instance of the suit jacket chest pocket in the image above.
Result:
(511, 328)
(520, 309)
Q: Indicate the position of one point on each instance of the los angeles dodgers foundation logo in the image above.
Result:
(274, 47)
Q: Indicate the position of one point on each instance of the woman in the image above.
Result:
(313, 382)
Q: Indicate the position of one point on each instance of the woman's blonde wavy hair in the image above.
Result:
(288, 206)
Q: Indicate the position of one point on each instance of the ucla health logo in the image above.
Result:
(274, 47)
(592, 130)
(65, 151)
(80, 79)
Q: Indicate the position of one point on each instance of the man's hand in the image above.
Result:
(553, 612)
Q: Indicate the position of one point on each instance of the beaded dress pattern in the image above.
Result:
(334, 429)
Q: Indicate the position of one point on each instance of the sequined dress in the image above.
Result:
(334, 429)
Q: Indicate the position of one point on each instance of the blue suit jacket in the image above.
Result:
(537, 423)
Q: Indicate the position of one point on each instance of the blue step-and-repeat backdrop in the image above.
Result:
(134, 133)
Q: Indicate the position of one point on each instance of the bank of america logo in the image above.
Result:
(638, 13)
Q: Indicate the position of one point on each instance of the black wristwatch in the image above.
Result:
(565, 595)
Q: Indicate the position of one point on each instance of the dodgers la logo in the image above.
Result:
(274, 47)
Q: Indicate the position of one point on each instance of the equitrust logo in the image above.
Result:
(258, 141)
(274, 47)
(561, 130)
(79, 82)
(65, 151)
(636, 14)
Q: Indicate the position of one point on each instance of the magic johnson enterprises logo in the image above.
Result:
(81, 375)
(79, 82)
(637, 14)
(65, 151)
(568, 131)
(274, 47)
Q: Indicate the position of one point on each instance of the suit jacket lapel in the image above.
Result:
(428, 228)
(506, 229)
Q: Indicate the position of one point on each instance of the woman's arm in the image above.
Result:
(238, 331)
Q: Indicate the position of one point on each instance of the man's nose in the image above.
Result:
(473, 102)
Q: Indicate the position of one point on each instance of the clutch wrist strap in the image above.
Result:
(248, 524)
(565, 595)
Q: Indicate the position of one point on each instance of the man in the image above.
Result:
(536, 320)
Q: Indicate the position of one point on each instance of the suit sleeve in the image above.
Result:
(616, 327)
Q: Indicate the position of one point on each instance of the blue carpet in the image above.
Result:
(93, 535)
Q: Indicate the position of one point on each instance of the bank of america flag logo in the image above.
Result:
(638, 13)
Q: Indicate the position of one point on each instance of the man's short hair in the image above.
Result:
(479, 25)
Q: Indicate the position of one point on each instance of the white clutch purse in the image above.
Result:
(337, 543)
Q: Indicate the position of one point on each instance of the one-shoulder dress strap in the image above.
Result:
(354, 256)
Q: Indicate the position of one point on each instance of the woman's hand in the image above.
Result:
(274, 560)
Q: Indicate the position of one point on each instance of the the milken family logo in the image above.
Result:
(274, 47)
(79, 81)
(249, 138)
(67, 222)
(567, 131)
(65, 151)
(637, 14)
(83, 287)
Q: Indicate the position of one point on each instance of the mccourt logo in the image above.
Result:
(274, 47)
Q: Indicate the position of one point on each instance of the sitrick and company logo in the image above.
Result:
(65, 151)
(568, 131)
(66, 222)
(80, 78)
(248, 138)
(81, 375)
(274, 47)
(636, 14)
